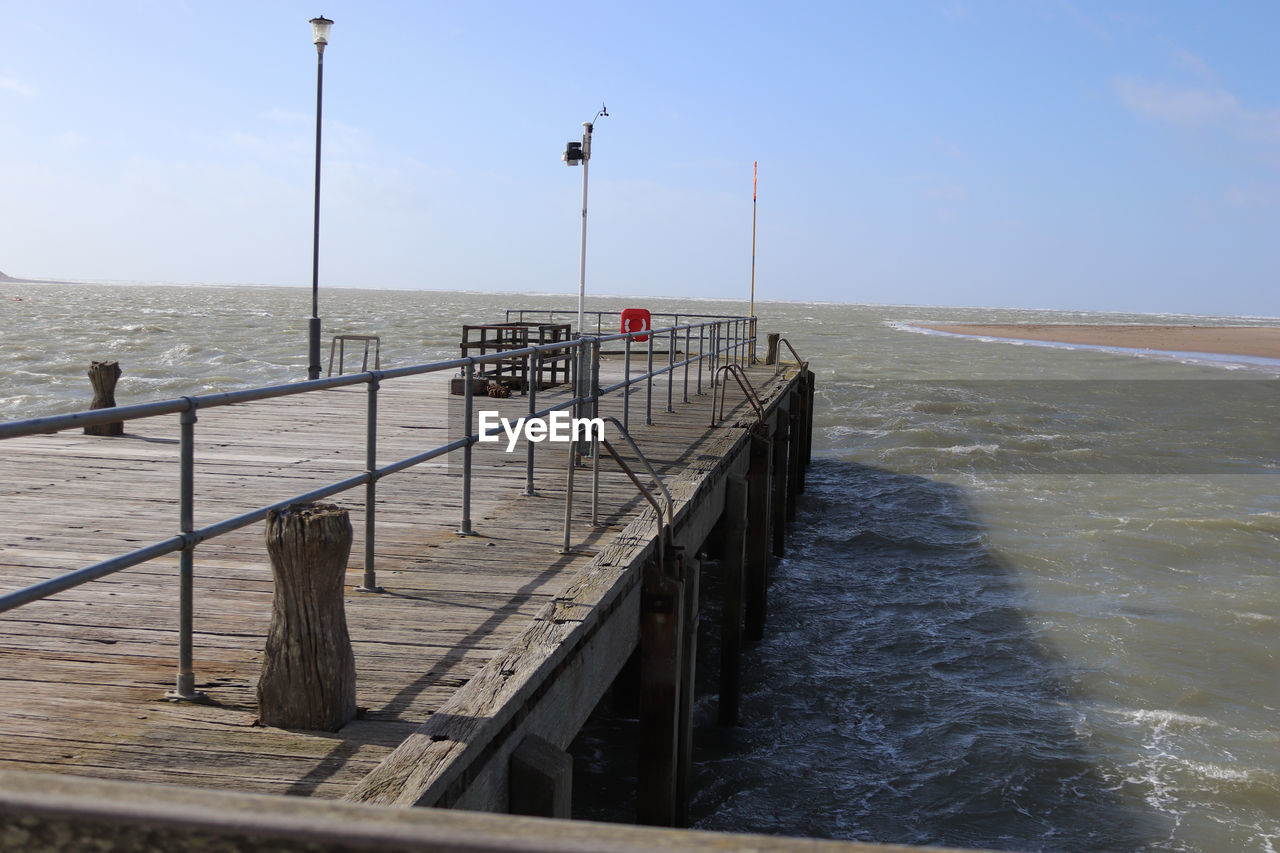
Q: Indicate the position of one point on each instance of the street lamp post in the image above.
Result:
(320, 34)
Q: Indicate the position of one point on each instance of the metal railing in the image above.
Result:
(339, 343)
(744, 382)
(520, 315)
(720, 341)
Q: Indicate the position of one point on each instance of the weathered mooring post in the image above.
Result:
(771, 355)
(103, 376)
(308, 678)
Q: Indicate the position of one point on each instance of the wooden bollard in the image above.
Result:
(103, 376)
(771, 355)
(308, 676)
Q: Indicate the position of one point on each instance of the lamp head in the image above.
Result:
(320, 31)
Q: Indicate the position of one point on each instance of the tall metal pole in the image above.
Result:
(583, 371)
(755, 168)
(313, 348)
(582, 259)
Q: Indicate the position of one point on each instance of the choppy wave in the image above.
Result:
(1029, 603)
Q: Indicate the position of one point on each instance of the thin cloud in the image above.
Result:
(1249, 197)
(1209, 107)
(1195, 64)
(17, 86)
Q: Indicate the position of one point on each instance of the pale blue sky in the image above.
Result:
(1040, 153)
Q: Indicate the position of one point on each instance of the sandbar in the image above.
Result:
(1253, 341)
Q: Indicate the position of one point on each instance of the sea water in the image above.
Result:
(1029, 603)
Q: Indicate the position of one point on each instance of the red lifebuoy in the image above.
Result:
(636, 320)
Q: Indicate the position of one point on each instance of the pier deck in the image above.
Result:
(83, 673)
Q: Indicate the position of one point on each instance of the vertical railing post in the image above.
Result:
(465, 529)
(185, 689)
(595, 442)
(595, 378)
(648, 385)
(714, 334)
(534, 368)
(702, 352)
(568, 497)
(671, 370)
(626, 388)
(687, 332)
(369, 583)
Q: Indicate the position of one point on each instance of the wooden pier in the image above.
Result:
(479, 662)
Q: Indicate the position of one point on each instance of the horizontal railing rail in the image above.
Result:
(719, 340)
(521, 315)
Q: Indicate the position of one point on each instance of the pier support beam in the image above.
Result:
(541, 779)
(756, 580)
(810, 382)
(661, 665)
(733, 565)
(778, 500)
(688, 678)
(795, 472)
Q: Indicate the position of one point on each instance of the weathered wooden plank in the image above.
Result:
(92, 662)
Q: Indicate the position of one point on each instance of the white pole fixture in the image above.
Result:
(579, 153)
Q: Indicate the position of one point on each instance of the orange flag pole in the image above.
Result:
(755, 171)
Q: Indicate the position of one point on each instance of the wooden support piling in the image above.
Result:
(810, 382)
(541, 779)
(805, 408)
(756, 580)
(103, 376)
(308, 676)
(794, 473)
(778, 500)
(661, 663)
(733, 566)
(688, 678)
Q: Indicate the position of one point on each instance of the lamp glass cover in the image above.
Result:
(320, 29)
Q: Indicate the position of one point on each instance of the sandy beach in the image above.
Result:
(1256, 341)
